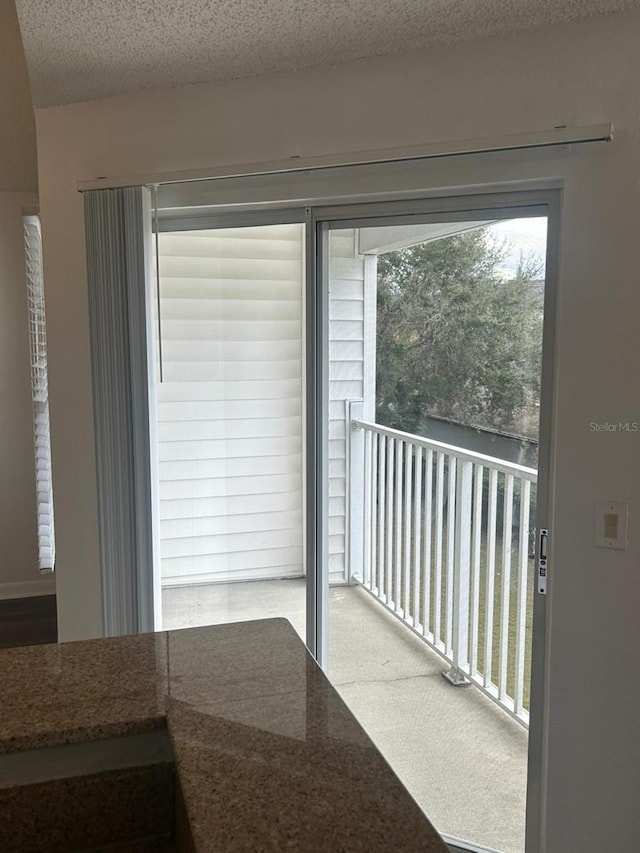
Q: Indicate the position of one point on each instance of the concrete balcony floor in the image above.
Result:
(461, 757)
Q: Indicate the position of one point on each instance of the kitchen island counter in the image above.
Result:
(267, 756)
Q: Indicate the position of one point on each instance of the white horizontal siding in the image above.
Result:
(346, 268)
(230, 543)
(346, 373)
(220, 310)
(337, 431)
(350, 289)
(230, 404)
(214, 288)
(340, 371)
(336, 524)
(339, 390)
(347, 330)
(342, 244)
(255, 329)
(336, 505)
(227, 506)
(197, 244)
(227, 410)
(216, 525)
(238, 269)
(239, 566)
(231, 486)
(230, 448)
(222, 351)
(191, 431)
(188, 470)
(230, 371)
(345, 309)
(238, 389)
(347, 351)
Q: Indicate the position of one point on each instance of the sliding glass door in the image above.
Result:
(352, 409)
(434, 418)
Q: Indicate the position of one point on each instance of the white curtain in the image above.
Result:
(118, 230)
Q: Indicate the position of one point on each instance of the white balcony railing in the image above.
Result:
(442, 537)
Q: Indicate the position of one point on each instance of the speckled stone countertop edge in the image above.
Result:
(83, 734)
(239, 702)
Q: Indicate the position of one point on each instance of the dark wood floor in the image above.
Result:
(28, 621)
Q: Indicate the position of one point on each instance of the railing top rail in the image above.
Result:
(450, 449)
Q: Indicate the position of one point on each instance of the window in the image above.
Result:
(39, 390)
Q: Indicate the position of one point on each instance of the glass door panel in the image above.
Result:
(435, 350)
(229, 422)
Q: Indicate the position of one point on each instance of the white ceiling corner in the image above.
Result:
(78, 50)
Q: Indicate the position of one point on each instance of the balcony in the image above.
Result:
(439, 543)
(442, 537)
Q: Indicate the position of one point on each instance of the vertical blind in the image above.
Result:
(40, 391)
(118, 228)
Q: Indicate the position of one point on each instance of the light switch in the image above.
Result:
(612, 525)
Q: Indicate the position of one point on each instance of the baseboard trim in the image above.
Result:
(29, 589)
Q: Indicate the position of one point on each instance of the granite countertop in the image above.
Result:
(268, 757)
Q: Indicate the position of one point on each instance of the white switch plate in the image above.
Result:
(612, 525)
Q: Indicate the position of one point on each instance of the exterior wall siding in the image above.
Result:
(229, 404)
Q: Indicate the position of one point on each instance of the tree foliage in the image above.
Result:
(455, 338)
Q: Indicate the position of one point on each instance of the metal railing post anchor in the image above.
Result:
(457, 677)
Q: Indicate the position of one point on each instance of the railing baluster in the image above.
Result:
(417, 521)
(373, 513)
(523, 575)
(366, 568)
(426, 542)
(461, 574)
(356, 495)
(437, 591)
(451, 521)
(406, 574)
(382, 519)
(397, 564)
(390, 486)
(475, 576)
(410, 567)
(506, 585)
(492, 519)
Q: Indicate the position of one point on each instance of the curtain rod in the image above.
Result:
(562, 136)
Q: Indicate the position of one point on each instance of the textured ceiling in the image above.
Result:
(83, 49)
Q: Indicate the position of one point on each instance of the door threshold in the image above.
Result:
(457, 845)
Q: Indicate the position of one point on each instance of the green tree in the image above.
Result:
(455, 338)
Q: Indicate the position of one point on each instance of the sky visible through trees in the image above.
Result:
(459, 329)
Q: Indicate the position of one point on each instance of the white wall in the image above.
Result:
(576, 74)
(18, 183)
(18, 166)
